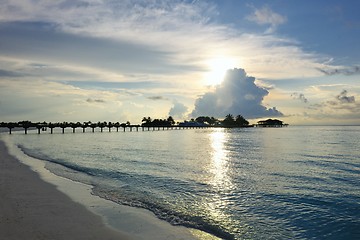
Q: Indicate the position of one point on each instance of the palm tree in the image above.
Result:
(145, 119)
(171, 120)
(229, 121)
(241, 121)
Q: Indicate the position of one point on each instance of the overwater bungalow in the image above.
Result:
(271, 123)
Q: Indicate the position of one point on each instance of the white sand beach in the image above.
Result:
(40, 205)
(33, 209)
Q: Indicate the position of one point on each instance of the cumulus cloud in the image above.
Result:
(178, 110)
(237, 94)
(265, 16)
(93, 45)
(299, 96)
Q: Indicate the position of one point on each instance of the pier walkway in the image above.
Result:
(92, 127)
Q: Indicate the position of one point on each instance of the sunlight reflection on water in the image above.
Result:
(220, 180)
(289, 183)
(219, 161)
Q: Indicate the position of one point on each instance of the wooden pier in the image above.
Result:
(49, 127)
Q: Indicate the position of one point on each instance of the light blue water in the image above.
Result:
(254, 183)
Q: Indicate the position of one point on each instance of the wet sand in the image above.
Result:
(33, 209)
(36, 204)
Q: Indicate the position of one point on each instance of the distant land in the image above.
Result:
(200, 122)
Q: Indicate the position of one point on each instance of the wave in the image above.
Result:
(124, 193)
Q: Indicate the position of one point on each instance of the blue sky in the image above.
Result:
(123, 60)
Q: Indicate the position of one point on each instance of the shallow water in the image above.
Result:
(253, 183)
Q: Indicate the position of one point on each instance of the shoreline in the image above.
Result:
(34, 209)
(111, 220)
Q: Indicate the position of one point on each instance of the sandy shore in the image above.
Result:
(33, 209)
(36, 204)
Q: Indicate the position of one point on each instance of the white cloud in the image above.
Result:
(339, 106)
(299, 96)
(265, 16)
(51, 101)
(156, 41)
(178, 111)
(237, 94)
(343, 98)
(181, 35)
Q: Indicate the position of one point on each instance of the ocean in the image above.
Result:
(296, 182)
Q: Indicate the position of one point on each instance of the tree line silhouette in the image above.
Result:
(229, 121)
(148, 122)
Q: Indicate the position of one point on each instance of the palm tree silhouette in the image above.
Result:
(241, 121)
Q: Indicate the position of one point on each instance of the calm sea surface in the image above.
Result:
(254, 183)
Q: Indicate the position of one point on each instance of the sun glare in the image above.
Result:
(217, 70)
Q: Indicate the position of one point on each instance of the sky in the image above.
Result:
(118, 61)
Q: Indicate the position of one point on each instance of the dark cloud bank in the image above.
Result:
(237, 94)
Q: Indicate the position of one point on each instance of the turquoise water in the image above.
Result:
(253, 183)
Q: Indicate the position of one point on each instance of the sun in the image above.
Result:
(217, 69)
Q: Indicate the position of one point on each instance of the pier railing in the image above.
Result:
(49, 127)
